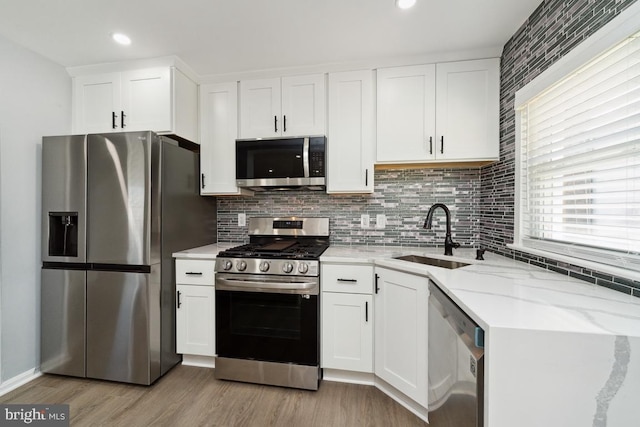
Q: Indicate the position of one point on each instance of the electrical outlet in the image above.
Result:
(242, 220)
(364, 221)
(381, 221)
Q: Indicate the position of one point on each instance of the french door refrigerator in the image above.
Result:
(114, 208)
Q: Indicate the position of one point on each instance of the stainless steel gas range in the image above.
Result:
(267, 303)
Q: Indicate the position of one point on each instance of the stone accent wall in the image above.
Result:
(403, 195)
(555, 28)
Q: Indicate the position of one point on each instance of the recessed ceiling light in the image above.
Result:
(405, 4)
(121, 38)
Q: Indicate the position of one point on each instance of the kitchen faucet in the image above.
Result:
(448, 243)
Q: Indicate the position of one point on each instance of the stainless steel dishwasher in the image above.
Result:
(456, 364)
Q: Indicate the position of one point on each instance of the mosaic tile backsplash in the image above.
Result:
(556, 27)
(403, 196)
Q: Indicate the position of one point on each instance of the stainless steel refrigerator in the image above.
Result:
(114, 208)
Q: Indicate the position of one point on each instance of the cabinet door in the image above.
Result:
(406, 114)
(260, 108)
(467, 106)
(195, 320)
(146, 100)
(95, 99)
(347, 332)
(303, 105)
(401, 302)
(351, 133)
(219, 131)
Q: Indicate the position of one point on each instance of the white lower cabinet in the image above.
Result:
(347, 317)
(347, 334)
(401, 303)
(195, 307)
(195, 331)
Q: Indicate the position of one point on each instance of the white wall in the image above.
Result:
(35, 100)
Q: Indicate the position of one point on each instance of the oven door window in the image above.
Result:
(266, 326)
(263, 159)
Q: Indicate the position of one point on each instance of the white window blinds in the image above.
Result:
(580, 162)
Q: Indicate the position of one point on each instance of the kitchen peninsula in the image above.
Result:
(557, 348)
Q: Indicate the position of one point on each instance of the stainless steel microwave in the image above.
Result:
(281, 163)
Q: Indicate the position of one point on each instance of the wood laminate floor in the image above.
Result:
(190, 396)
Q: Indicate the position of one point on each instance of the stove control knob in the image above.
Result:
(264, 266)
(287, 267)
(241, 265)
(303, 268)
(226, 265)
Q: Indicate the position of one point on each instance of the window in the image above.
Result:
(578, 161)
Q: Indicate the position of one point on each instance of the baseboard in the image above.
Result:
(340, 376)
(19, 380)
(199, 361)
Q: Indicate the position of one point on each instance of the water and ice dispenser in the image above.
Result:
(63, 234)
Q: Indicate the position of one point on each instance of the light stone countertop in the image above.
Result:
(500, 292)
(204, 252)
(496, 292)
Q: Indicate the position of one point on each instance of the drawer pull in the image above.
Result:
(348, 280)
(193, 273)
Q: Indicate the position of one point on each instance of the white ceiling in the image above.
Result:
(223, 37)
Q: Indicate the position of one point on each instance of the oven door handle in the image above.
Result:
(245, 285)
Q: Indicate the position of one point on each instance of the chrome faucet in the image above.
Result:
(448, 243)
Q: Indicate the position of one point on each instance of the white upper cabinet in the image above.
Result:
(351, 132)
(303, 105)
(260, 108)
(160, 99)
(218, 134)
(467, 110)
(96, 103)
(288, 106)
(439, 113)
(146, 100)
(406, 113)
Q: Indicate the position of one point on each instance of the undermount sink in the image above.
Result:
(444, 263)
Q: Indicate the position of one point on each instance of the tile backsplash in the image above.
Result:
(402, 195)
(553, 30)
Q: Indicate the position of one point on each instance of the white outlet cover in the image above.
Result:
(381, 221)
(242, 220)
(364, 221)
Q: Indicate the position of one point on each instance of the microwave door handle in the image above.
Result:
(305, 157)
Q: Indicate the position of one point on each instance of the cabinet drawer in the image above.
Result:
(354, 279)
(195, 272)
